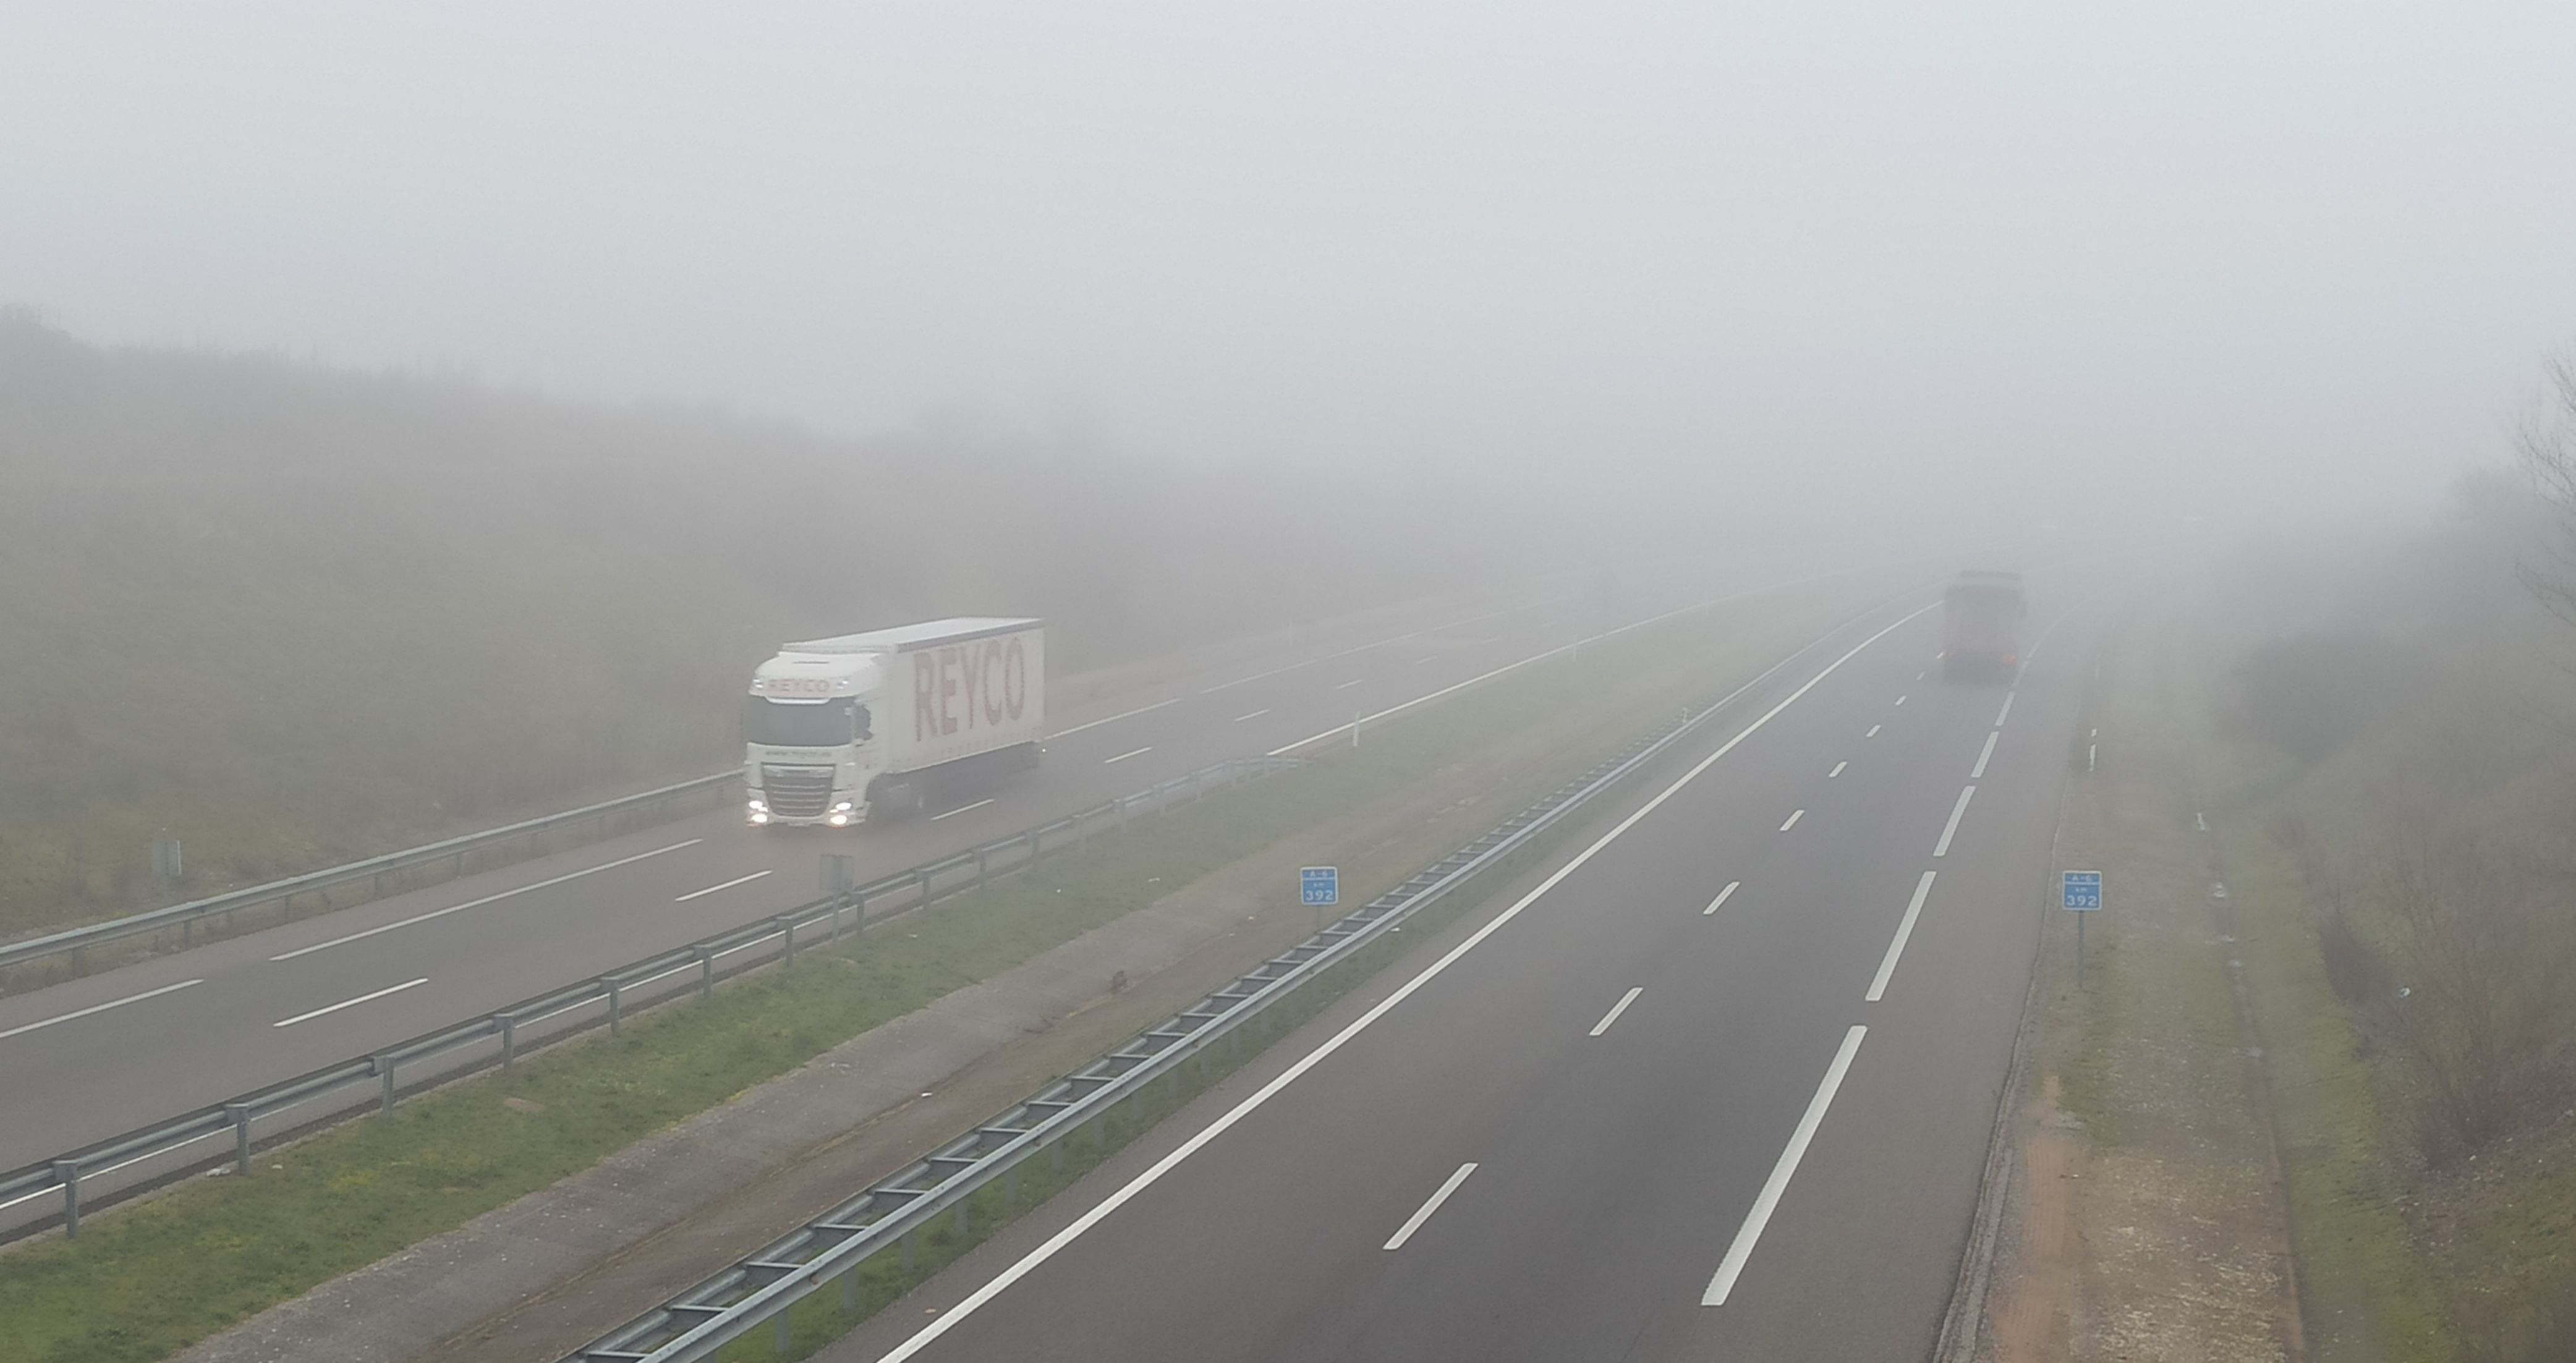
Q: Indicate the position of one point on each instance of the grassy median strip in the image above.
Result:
(150, 1278)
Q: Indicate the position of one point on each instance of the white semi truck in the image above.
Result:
(876, 725)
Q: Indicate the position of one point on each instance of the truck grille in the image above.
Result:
(797, 792)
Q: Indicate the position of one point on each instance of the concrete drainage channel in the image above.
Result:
(58, 1191)
(760, 1291)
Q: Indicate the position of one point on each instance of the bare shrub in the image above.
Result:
(2487, 1015)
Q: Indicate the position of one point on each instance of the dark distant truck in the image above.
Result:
(1981, 617)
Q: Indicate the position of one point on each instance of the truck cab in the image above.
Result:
(810, 748)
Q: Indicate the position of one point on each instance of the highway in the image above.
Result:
(112, 1051)
(1716, 1082)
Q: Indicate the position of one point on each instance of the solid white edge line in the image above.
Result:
(350, 1003)
(1616, 1009)
(1985, 755)
(1781, 1173)
(1721, 898)
(962, 809)
(1001, 1282)
(1423, 1213)
(1792, 820)
(1123, 714)
(1254, 715)
(1896, 947)
(1837, 771)
(2006, 712)
(1345, 686)
(478, 903)
(39, 1026)
(737, 880)
(1132, 752)
(1951, 829)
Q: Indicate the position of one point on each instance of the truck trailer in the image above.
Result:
(876, 725)
(1981, 617)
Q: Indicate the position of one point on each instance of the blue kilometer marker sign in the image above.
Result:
(2084, 891)
(1319, 885)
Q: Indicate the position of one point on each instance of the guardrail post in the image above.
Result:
(706, 973)
(850, 1291)
(1011, 1186)
(907, 1251)
(961, 1218)
(921, 879)
(858, 912)
(788, 926)
(616, 1001)
(240, 1114)
(187, 933)
(385, 1067)
(980, 869)
(76, 962)
(1081, 829)
(509, 1040)
(785, 1335)
(68, 1170)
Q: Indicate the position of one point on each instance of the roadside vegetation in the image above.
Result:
(291, 615)
(147, 1279)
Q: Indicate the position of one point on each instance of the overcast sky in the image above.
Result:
(2110, 255)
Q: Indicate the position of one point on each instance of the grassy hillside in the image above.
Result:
(292, 615)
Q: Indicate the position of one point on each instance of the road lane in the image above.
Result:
(1615, 1177)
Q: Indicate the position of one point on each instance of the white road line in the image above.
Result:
(1781, 1173)
(1414, 1222)
(737, 880)
(1900, 700)
(1345, 686)
(1896, 948)
(350, 1003)
(1731, 887)
(1616, 1009)
(1254, 715)
(1792, 820)
(2006, 712)
(478, 903)
(1837, 771)
(1124, 714)
(1985, 755)
(1873, 732)
(1951, 829)
(1257, 676)
(1918, 676)
(1027, 1263)
(1131, 752)
(128, 1163)
(962, 809)
(25, 1028)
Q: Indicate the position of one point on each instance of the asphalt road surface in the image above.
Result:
(87, 1059)
(1717, 1083)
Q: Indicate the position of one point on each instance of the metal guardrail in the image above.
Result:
(186, 916)
(155, 1154)
(763, 1287)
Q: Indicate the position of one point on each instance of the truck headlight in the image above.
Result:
(759, 816)
(838, 820)
(759, 805)
(843, 807)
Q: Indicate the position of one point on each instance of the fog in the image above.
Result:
(1990, 265)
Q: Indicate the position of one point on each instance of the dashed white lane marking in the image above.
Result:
(25, 1028)
(1001, 1282)
(1951, 829)
(1837, 771)
(1721, 898)
(1123, 714)
(350, 1003)
(1414, 1222)
(477, 903)
(1900, 700)
(1254, 715)
(1763, 1205)
(1896, 948)
(1131, 752)
(1257, 676)
(737, 880)
(1985, 755)
(1792, 820)
(1345, 686)
(1616, 1009)
(2006, 712)
(1873, 732)
(962, 809)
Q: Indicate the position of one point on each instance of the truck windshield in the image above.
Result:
(774, 725)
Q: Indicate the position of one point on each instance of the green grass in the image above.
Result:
(145, 1280)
